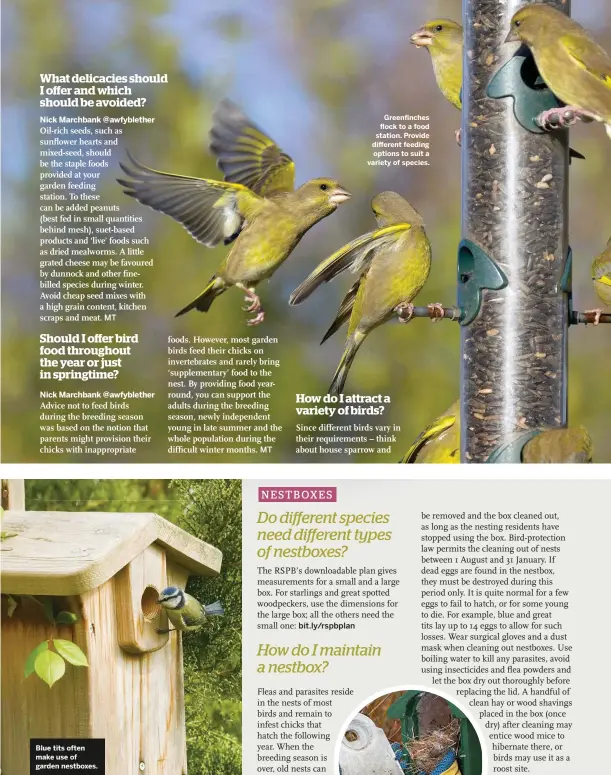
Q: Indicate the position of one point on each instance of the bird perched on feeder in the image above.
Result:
(440, 443)
(185, 612)
(444, 40)
(572, 64)
(601, 277)
(256, 207)
(392, 263)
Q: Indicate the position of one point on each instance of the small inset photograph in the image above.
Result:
(410, 731)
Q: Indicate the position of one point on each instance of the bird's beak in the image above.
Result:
(512, 37)
(422, 38)
(339, 195)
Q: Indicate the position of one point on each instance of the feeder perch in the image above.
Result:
(108, 568)
(469, 754)
(476, 273)
(511, 450)
(520, 80)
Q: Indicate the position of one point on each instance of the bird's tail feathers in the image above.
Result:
(353, 343)
(214, 609)
(203, 302)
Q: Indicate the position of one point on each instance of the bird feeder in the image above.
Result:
(108, 569)
(515, 231)
(469, 754)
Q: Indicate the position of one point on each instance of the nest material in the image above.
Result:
(428, 750)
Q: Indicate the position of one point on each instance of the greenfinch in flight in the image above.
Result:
(392, 264)
(440, 443)
(256, 207)
(570, 61)
(601, 277)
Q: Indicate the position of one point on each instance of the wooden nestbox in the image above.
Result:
(108, 568)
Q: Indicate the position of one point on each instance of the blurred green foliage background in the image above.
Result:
(318, 76)
(212, 511)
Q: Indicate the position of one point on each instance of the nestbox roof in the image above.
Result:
(68, 553)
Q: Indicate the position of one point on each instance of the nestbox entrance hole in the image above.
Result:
(149, 604)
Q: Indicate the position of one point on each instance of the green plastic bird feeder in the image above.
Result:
(469, 752)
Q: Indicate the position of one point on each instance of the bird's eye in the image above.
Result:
(517, 23)
(323, 186)
(439, 27)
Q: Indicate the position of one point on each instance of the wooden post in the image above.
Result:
(515, 195)
(13, 494)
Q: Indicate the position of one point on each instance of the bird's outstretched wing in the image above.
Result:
(246, 155)
(356, 256)
(212, 211)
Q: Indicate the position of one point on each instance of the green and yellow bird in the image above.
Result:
(601, 277)
(571, 63)
(256, 207)
(444, 40)
(440, 443)
(559, 445)
(392, 264)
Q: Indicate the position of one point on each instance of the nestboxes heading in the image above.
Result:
(108, 568)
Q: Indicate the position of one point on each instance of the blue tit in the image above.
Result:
(184, 611)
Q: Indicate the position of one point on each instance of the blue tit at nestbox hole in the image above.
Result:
(185, 612)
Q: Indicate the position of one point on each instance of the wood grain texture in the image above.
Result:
(136, 631)
(29, 707)
(13, 494)
(68, 553)
(135, 702)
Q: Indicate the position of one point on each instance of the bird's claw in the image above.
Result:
(255, 303)
(597, 314)
(404, 312)
(436, 311)
(258, 318)
(560, 118)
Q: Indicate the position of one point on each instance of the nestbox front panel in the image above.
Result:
(136, 700)
(29, 707)
(137, 588)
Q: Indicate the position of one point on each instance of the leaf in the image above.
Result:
(29, 663)
(66, 617)
(11, 604)
(50, 667)
(70, 652)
